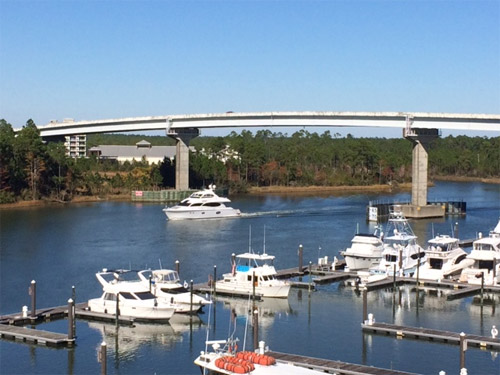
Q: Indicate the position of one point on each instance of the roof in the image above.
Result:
(136, 152)
(255, 256)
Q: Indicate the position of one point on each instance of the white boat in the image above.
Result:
(166, 285)
(253, 273)
(203, 204)
(134, 299)
(445, 258)
(365, 252)
(223, 358)
(401, 251)
(486, 257)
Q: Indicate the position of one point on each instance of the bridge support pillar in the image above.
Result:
(420, 161)
(183, 137)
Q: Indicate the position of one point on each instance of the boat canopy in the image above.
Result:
(254, 256)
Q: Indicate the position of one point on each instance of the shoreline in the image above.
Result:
(262, 190)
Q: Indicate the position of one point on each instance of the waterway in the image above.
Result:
(64, 246)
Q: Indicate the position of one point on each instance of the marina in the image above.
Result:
(320, 319)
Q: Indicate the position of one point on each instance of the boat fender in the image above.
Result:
(185, 284)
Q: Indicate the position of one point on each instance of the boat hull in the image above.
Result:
(145, 312)
(240, 289)
(174, 213)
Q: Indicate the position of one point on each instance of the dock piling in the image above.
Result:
(310, 277)
(191, 297)
(117, 311)
(101, 357)
(255, 328)
(365, 304)
(32, 293)
(71, 319)
(301, 252)
(215, 278)
(463, 348)
(177, 266)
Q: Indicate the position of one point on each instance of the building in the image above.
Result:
(76, 145)
(141, 150)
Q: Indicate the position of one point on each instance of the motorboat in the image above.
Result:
(133, 297)
(485, 255)
(365, 251)
(165, 284)
(401, 252)
(445, 258)
(203, 204)
(253, 274)
(222, 357)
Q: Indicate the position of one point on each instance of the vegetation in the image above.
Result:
(31, 169)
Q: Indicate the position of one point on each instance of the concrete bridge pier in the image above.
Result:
(182, 136)
(419, 207)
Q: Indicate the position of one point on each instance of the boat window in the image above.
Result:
(208, 196)
(418, 255)
(109, 297)
(184, 203)
(126, 295)
(145, 295)
(265, 278)
(249, 278)
(488, 264)
(436, 264)
(460, 258)
(196, 205)
(391, 258)
(212, 204)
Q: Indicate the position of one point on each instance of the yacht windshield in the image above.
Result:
(145, 295)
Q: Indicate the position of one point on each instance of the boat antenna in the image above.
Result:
(159, 261)
(264, 246)
(250, 239)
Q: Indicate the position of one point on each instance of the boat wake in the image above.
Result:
(285, 213)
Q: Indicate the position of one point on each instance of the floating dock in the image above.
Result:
(330, 366)
(483, 342)
(34, 336)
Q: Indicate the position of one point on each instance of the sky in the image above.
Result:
(91, 60)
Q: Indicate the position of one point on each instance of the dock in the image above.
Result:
(35, 336)
(483, 342)
(330, 366)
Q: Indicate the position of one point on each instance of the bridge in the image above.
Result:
(418, 127)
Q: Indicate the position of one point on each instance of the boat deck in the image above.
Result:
(330, 366)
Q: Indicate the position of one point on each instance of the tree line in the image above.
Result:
(32, 169)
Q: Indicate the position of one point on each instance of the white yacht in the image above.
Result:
(253, 273)
(445, 258)
(486, 257)
(166, 285)
(134, 299)
(365, 251)
(203, 204)
(401, 251)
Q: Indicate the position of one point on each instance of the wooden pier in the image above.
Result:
(330, 366)
(35, 336)
(483, 342)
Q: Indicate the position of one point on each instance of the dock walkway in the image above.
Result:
(330, 366)
(34, 336)
(432, 335)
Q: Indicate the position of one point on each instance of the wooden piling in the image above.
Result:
(463, 348)
(177, 266)
(32, 292)
(301, 253)
(191, 297)
(101, 358)
(255, 328)
(365, 304)
(71, 317)
(215, 279)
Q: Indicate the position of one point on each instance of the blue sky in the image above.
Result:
(110, 59)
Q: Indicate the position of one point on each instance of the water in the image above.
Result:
(63, 246)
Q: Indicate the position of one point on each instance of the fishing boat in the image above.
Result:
(365, 251)
(133, 297)
(165, 284)
(223, 357)
(445, 258)
(485, 255)
(203, 204)
(253, 274)
(401, 252)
